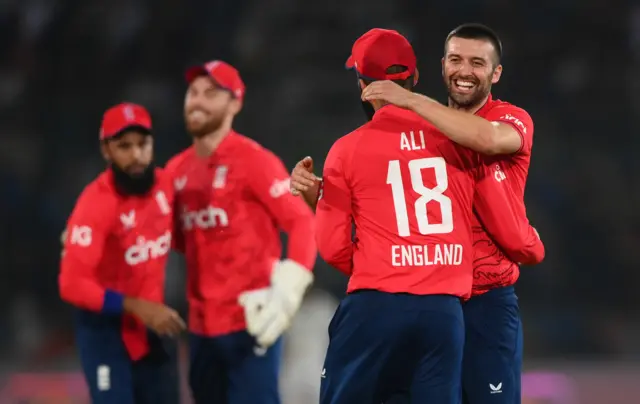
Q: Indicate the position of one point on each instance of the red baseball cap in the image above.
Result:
(377, 50)
(225, 76)
(124, 116)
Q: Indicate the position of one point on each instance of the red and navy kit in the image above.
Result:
(117, 246)
(231, 207)
(410, 192)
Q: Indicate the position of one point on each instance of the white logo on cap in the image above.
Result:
(212, 65)
(128, 113)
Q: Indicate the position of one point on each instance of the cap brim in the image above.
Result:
(195, 71)
(351, 63)
(133, 126)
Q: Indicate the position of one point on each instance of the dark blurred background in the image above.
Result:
(572, 64)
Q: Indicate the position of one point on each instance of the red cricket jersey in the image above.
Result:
(410, 192)
(492, 267)
(118, 246)
(232, 206)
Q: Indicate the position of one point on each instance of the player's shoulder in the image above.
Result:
(178, 160)
(352, 138)
(99, 195)
(164, 180)
(101, 186)
(502, 109)
(250, 151)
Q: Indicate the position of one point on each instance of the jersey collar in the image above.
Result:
(485, 106)
(226, 143)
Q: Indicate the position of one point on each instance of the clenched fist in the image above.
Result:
(304, 182)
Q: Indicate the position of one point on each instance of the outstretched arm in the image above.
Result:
(503, 135)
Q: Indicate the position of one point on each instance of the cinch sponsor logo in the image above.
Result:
(205, 219)
(499, 175)
(515, 121)
(144, 249)
(279, 188)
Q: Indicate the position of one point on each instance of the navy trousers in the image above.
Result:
(231, 369)
(112, 377)
(384, 344)
(493, 348)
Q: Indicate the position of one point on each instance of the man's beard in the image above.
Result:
(467, 101)
(211, 125)
(134, 184)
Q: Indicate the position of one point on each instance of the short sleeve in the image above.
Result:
(519, 119)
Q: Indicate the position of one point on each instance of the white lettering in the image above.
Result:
(81, 235)
(279, 188)
(408, 142)
(515, 121)
(205, 219)
(426, 255)
(144, 249)
(499, 175)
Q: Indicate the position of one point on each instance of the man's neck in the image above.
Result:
(207, 144)
(471, 109)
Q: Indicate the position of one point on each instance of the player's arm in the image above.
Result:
(497, 208)
(268, 311)
(86, 234)
(177, 239)
(479, 134)
(334, 216)
(83, 247)
(503, 135)
(269, 182)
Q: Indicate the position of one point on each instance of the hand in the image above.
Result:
(269, 311)
(303, 181)
(389, 92)
(160, 318)
(265, 315)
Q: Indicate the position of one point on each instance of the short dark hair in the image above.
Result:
(395, 69)
(476, 31)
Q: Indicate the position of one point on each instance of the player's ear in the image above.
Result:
(362, 84)
(416, 76)
(236, 106)
(442, 66)
(497, 73)
(104, 150)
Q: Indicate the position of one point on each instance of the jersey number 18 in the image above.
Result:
(394, 178)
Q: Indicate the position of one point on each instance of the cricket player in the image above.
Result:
(504, 133)
(232, 196)
(113, 269)
(410, 192)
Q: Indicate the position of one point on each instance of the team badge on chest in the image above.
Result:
(220, 177)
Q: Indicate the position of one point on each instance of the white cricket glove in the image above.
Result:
(269, 311)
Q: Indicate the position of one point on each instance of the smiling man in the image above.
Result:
(233, 200)
(504, 134)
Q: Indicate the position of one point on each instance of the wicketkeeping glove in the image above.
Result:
(269, 311)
